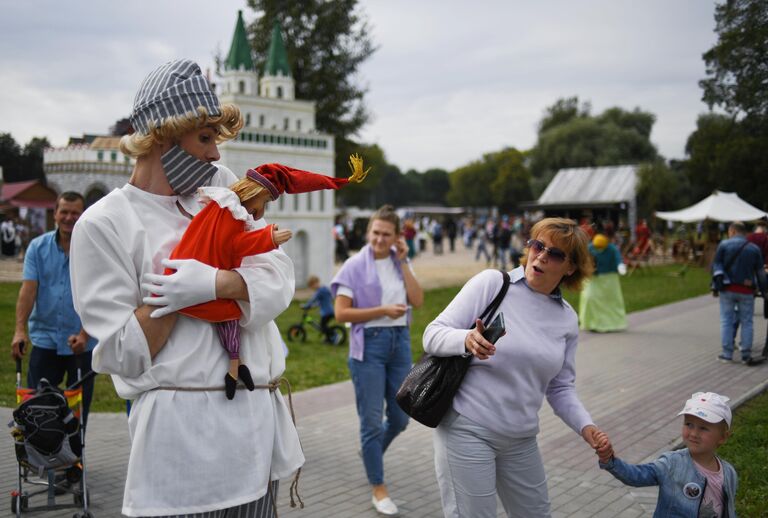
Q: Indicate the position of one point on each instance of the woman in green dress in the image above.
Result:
(601, 306)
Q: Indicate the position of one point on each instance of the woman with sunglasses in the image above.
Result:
(486, 445)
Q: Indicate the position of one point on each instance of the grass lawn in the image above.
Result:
(313, 363)
(747, 450)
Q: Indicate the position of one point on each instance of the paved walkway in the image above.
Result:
(633, 383)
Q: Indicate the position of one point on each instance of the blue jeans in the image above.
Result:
(386, 362)
(733, 307)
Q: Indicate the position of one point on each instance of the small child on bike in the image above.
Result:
(324, 300)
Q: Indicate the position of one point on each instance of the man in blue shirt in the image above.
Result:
(58, 340)
(740, 263)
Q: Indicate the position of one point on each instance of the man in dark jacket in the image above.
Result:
(740, 263)
(760, 238)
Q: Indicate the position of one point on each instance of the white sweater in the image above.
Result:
(536, 357)
(191, 452)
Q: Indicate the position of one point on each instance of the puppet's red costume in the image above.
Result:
(218, 238)
(223, 233)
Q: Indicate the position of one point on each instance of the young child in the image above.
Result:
(322, 298)
(693, 482)
(225, 231)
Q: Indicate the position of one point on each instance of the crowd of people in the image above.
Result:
(116, 287)
(14, 235)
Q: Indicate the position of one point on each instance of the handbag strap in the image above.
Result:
(496, 302)
(732, 259)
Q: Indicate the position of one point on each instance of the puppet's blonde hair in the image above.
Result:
(246, 188)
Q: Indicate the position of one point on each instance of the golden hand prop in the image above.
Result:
(356, 166)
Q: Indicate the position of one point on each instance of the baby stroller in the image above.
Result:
(49, 444)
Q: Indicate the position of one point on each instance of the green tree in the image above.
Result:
(362, 194)
(22, 164)
(513, 180)
(564, 110)
(661, 187)
(614, 137)
(499, 179)
(637, 120)
(415, 185)
(728, 155)
(10, 158)
(392, 187)
(326, 43)
(737, 65)
(435, 184)
(33, 158)
(470, 185)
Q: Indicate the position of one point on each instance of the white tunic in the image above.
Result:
(191, 452)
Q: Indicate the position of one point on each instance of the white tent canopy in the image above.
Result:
(719, 206)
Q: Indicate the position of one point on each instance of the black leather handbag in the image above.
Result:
(427, 392)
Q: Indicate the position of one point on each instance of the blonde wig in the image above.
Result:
(227, 125)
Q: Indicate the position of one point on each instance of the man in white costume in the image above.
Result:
(192, 450)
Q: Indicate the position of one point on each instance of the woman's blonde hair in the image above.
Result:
(227, 125)
(246, 188)
(386, 213)
(574, 242)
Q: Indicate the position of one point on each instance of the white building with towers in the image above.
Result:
(278, 128)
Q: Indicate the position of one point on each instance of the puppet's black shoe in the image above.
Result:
(244, 373)
(230, 386)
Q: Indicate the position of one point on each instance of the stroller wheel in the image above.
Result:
(74, 474)
(78, 499)
(15, 500)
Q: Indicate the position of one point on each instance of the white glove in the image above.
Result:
(622, 269)
(192, 283)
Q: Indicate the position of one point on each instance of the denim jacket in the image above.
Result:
(681, 486)
(745, 267)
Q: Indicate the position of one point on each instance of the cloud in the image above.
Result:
(451, 79)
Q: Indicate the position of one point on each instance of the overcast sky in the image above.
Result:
(451, 79)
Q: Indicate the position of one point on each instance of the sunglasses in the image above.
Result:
(554, 254)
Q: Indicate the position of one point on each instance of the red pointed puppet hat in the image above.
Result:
(278, 178)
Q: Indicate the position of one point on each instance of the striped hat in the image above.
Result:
(175, 88)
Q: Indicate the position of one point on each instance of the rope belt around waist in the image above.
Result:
(272, 386)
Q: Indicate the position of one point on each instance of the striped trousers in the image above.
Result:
(261, 508)
(229, 335)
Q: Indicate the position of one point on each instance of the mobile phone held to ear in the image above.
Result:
(496, 330)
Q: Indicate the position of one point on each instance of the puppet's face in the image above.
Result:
(257, 205)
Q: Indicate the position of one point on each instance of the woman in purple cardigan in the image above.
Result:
(373, 291)
(486, 445)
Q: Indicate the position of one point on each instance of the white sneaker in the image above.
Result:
(384, 506)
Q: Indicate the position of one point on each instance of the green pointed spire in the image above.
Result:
(240, 50)
(277, 59)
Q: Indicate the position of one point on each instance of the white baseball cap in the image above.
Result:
(709, 406)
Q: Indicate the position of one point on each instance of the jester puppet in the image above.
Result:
(224, 232)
